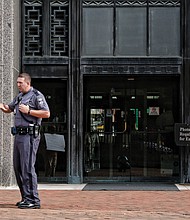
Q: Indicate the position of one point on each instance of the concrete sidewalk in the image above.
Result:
(180, 187)
(65, 201)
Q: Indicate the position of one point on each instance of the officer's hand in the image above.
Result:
(4, 107)
(24, 108)
(1, 106)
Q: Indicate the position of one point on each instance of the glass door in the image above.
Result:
(123, 137)
(52, 151)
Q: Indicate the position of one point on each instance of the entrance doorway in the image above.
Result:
(52, 152)
(129, 129)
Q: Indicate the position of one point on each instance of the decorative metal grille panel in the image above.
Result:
(59, 23)
(132, 2)
(98, 3)
(33, 28)
(164, 2)
(131, 69)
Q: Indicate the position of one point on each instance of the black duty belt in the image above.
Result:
(23, 130)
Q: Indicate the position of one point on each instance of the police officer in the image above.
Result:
(29, 107)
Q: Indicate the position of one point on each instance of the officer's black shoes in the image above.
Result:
(28, 205)
(23, 204)
(20, 202)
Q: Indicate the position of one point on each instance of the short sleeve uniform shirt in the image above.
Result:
(35, 100)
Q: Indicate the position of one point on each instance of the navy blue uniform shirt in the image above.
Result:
(35, 100)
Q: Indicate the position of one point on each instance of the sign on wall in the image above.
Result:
(182, 134)
(154, 111)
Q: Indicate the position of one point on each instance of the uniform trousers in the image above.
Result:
(24, 158)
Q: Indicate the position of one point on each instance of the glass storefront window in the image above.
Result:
(129, 134)
(147, 28)
(164, 31)
(131, 31)
(98, 31)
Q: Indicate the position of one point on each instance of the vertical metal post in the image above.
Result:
(185, 176)
(75, 151)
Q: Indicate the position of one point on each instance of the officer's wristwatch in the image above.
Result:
(29, 112)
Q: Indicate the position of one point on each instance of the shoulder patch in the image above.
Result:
(40, 101)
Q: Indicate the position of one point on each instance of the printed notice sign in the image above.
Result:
(55, 142)
(182, 134)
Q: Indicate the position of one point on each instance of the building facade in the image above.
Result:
(116, 76)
